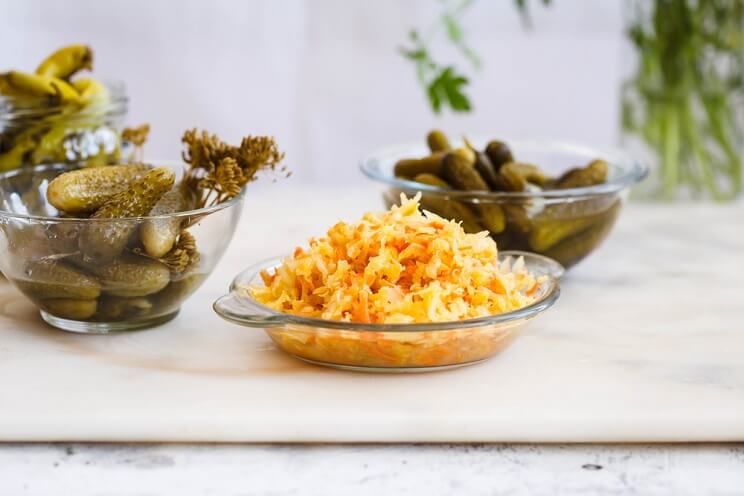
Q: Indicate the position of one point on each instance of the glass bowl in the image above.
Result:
(388, 347)
(39, 254)
(565, 225)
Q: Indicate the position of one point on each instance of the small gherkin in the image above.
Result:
(52, 279)
(86, 190)
(103, 241)
(132, 276)
(159, 235)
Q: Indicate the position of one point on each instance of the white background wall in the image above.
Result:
(324, 76)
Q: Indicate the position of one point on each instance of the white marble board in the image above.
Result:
(645, 344)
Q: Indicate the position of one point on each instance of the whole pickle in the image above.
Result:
(66, 61)
(574, 248)
(492, 217)
(103, 241)
(86, 190)
(409, 168)
(486, 169)
(132, 276)
(446, 207)
(69, 308)
(529, 172)
(437, 141)
(466, 153)
(159, 235)
(581, 177)
(511, 178)
(114, 308)
(461, 174)
(54, 279)
(499, 153)
(552, 226)
(517, 218)
(170, 298)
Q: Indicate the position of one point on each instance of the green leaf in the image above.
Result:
(447, 88)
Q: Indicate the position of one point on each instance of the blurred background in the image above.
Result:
(326, 76)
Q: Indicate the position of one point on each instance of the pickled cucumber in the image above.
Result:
(409, 168)
(486, 169)
(86, 190)
(114, 308)
(103, 241)
(437, 141)
(170, 298)
(159, 235)
(499, 153)
(445, 207)
(511, 178)
(574, 248)
(132, 276)
(69, 308)
(549, 229)
(462, 175)
(581, 177)
(54, 279)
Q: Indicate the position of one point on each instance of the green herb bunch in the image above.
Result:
(685, 96)
(445, 84)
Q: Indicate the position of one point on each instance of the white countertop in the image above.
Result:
(695, 251)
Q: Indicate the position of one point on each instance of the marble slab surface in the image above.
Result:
(645, 344)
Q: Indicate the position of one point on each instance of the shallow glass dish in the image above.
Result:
(565, 225)
(388, 347)
(39, 254)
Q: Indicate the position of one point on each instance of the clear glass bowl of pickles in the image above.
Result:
(555, 199)
(110, 248)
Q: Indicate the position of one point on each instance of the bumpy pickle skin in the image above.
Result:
(131, 276)
(591, 175)
(499, 153)
(103, 241)
(66, 61)
(69, 308)
(437, 141)
(408, 168)
(447, 208)
(54, 279)
(511, 178)
(159, 235)
(460, 173)
(85, 190)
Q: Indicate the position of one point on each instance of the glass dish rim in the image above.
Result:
(72, 166)
(272, 319)
(634, 171)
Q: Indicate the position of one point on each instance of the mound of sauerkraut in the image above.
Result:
(400, 266)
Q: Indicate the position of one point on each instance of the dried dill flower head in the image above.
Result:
(218, 171)
(184, 255)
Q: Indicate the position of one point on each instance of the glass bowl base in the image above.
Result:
(84, 327)
(389, 370)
